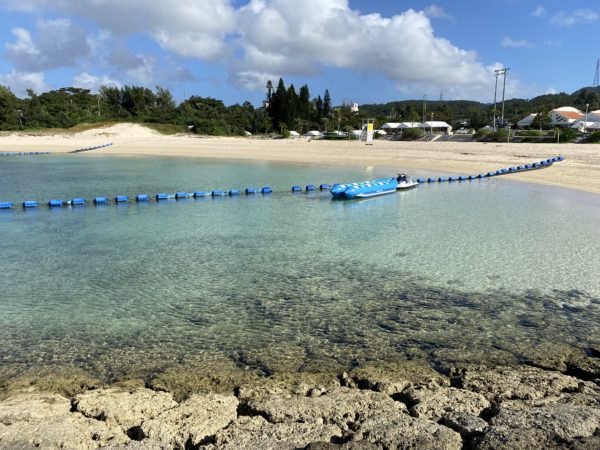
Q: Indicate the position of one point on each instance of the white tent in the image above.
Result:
(583, 125)
(399, 125)
(436, 125)
(527, 121)
(313, 133)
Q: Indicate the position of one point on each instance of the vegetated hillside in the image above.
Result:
(476, 114)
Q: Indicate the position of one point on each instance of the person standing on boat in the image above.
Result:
(401, 178)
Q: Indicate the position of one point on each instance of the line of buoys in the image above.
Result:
(524, 168)
(142, 198)
(23, 153)
(86, 149)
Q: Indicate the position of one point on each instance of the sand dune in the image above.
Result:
(580, 170)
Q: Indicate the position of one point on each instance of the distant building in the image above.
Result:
(565, 116)
(354, 108)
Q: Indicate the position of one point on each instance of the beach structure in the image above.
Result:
(565, 116)
(313, 133)
(435, 126)
(294, 134)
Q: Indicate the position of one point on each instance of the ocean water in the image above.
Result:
(490, 269)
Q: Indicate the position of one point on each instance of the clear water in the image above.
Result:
(489, 269)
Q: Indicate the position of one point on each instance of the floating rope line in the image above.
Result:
(23, 153)
(87, 149)
(265, 190)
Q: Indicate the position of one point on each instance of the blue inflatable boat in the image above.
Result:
(365, 189)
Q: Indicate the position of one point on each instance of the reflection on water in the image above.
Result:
(288, 282)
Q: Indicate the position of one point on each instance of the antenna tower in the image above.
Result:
(596, 86)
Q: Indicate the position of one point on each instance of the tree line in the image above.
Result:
(283, 110)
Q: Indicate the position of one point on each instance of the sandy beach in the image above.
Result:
(579, 171)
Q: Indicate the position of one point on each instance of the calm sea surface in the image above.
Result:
(492, 269)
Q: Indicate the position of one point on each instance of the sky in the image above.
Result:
(363, 51)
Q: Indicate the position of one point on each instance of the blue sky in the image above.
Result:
(363, 51)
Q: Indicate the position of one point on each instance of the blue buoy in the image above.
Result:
(199, 194)
(266, 190)
(233, 192)
(512, 169)
(324, 186)
(420, 180)
(310, 187)
(520, 167)
(6, 205)
(142, 198)
(491, 174)
(30, 204)
(121, 199)
(462, 178)
(561, 158)
(452, 179)
(55, 203)
(78, 201)
(162, 196)
(528, 166)
(296, 188)
(218, 193)
(431, 180)
(442, 179)
(250, 190)
(180, 195)
(100, 201)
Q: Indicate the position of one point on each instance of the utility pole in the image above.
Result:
(505, 70)
(502, 72)
(424, 108)
(495, 95)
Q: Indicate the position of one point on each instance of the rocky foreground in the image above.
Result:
(474, 408)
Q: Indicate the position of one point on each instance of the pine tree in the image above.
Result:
(326, 103)
(318, 109)
(277, 107)
(291, 110)
(304, 103)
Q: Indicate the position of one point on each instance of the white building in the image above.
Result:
(565, 116)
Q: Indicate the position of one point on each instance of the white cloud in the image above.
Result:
(437, 12)
(93, 82)
(191, 28)
(278, 38)
(19, 82)
(551, 91)
(508, 42)
(58, 44)
(265, 39)
(540, 11)
(565, 19)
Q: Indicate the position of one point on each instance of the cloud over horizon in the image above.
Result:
(261, 40)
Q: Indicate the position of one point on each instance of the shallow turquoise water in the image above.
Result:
(284, 281)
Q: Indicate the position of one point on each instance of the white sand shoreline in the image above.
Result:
(579, 171)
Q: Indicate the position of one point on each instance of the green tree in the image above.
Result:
(9, 109)
(542, 120)
(326, 104)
